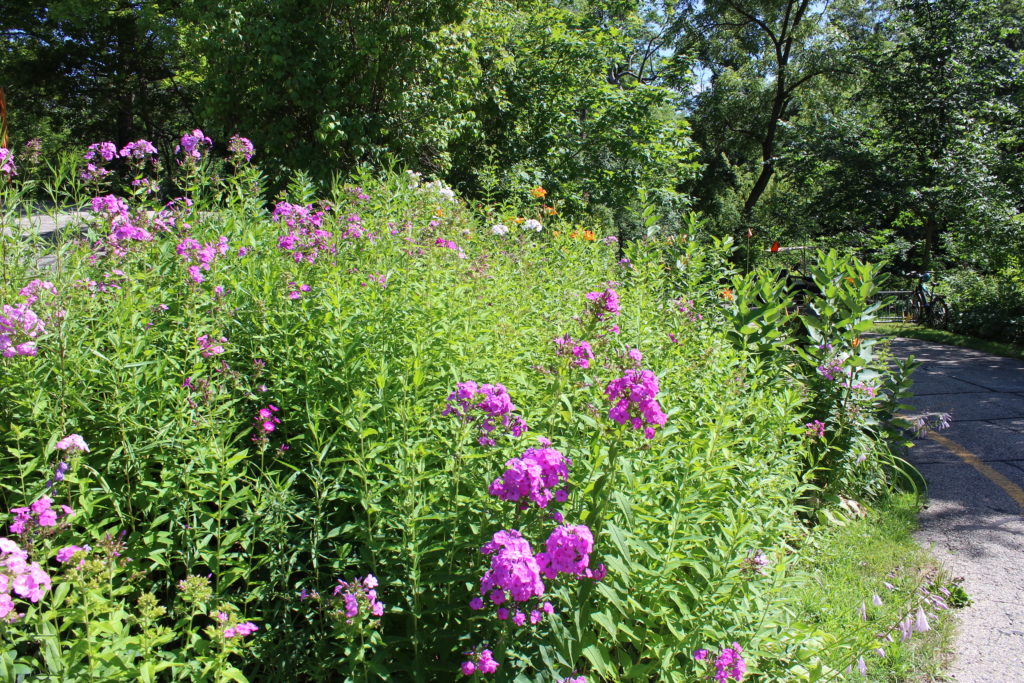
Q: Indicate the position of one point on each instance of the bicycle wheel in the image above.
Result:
(938, 315)
(917, 309)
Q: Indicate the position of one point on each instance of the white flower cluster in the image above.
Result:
(532, 224)
(499, 229)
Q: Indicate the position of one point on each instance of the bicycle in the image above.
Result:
(926, 307)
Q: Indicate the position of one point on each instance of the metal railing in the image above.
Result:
(897, 306)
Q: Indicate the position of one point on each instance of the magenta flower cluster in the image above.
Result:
(568, 552)
(19, 326)
(123, 227)
(19, 576)
(354, 229)
(306, 239)
(729, 665)
(533, 476)
(636, 401)
(138, 150)
(7, 167)
(200, 256)
(94, 170)
(359, 596)
(831, 369)
(603, 303)
(241, 148)
(266, 420)
(40, 514)
(449, 244)
(194, 144)
(479, 662)
(234, 629)
(582, 352)
(208, 347)
(815, 428)
(490, 405)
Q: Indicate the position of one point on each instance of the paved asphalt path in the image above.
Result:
(974, 520)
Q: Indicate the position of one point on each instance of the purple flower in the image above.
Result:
(194, 144)
(635, 394)
(72, 442)
(140, 149)
(730, 665)
(7, 166)
(241, 148)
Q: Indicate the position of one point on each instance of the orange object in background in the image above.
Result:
(728, 295)
(539, 192)
(589, 235)
(775, 247)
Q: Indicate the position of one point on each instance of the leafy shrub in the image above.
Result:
(339, 438)
(988, 306)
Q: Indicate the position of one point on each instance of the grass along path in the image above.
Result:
(923, 333)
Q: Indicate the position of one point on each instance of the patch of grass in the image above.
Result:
(953, 339)
(845, 567)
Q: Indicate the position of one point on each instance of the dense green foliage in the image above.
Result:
(169, 374)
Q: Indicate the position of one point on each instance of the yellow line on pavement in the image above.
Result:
(996, 477)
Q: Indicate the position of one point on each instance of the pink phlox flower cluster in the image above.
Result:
(39, 514)
(687, 309)
(479, 662)
(815, 428)
(72, 442)
(490, 403)
(26, 580)
(604, 303)
(831, 369)
(122, 227)
(7, 166)
(266, 420)
(240, 630)
(67, 553)
(636, 356)
(306, 239)
(173, 215)
(581, 350)
(451, 245)
(208, 347)
(568, 552)
(354, 229)
(30, 292)
(201, 256)
(636, 397)
(377, 279)
(109, 204)
(241, 148)
(611, 239)
(533, 476)
(514, 573)
(730, 665)
(298, 290)
(755, 563)
(573, 679)
(357, 194)
(105, 150)
(140, 149)
(194, 144)
(19, 326)
(359, 593)
(866, 389)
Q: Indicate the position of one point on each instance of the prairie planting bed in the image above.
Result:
(365, 433)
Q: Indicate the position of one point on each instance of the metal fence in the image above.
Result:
(896, 308)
